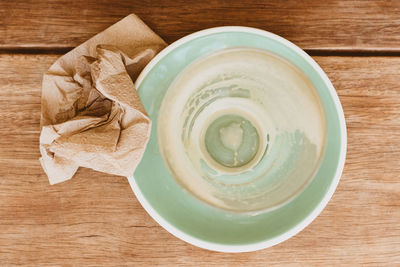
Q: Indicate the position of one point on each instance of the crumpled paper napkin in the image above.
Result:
(91, 113)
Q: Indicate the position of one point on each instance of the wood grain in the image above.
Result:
(313, 25)
(94, 219)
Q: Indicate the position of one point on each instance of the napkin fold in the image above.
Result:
(91, 113)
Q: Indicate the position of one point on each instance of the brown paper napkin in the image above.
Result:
(91, 113)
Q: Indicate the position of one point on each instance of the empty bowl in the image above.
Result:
(248, 139)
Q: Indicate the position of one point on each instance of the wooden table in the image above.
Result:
(94, 219)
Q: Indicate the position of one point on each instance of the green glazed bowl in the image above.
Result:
(202, 225)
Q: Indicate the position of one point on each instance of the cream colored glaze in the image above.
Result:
(232, 136)
(280, 100)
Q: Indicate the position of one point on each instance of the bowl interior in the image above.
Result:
(205, 225)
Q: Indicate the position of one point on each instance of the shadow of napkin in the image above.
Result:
(91, 113)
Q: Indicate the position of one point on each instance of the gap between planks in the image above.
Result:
(350, 52)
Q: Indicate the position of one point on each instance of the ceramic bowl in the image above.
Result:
(180, 209)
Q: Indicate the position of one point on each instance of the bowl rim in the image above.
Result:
(321, 205)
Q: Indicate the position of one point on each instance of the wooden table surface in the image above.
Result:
(94, 219)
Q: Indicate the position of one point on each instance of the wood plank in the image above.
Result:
(332, 24)
(95, 219)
